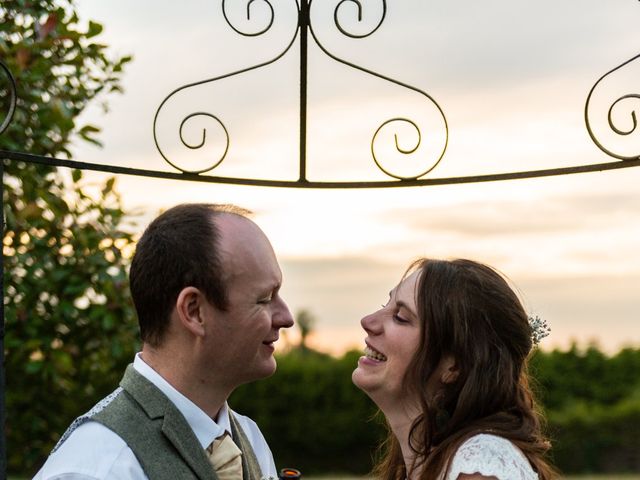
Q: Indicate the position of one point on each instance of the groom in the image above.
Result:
(205, 282)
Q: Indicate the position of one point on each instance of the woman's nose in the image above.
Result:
(371, 323)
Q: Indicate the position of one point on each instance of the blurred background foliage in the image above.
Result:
(70, 324)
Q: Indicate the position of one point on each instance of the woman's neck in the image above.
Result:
(400, 421)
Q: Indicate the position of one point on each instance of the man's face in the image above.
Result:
(240, 341)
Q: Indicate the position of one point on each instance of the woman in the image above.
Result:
(445, 361)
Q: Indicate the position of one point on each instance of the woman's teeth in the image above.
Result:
(375, 355)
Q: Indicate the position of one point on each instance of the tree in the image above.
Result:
(70, 327)
(306, 323)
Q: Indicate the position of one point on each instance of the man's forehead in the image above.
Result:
(244, 248)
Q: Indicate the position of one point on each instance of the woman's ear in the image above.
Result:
(449, 370)
(190, 310)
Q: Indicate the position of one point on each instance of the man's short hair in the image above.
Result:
(178, 249)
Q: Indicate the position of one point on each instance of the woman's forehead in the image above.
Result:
(406, 289)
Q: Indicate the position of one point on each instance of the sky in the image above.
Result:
(511, 78)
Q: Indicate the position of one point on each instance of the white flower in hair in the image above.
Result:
(539, 329)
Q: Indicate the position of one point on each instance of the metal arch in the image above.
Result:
(193, 177)
(303, 26)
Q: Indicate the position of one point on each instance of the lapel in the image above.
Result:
(250, 467)
(174, 426)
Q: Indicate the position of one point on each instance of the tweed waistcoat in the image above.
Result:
(160, 437)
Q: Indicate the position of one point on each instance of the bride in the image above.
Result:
(446, 362)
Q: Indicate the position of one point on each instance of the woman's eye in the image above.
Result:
(399, 319)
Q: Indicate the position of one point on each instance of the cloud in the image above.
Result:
(555, 214)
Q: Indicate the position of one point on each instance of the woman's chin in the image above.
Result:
(364, 381)
(358, 380)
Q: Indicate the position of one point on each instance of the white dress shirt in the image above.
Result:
(93, 452)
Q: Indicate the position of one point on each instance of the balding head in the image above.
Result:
(179, 249)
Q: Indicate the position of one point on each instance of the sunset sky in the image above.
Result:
(512, 79)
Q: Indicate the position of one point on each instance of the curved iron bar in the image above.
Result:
(224, 13)
(406, 151)
(201, 82)
(359, 5)
(194, 177)
(633, 115)
(389, 79)
(204, 134)
(14, 97)
(609, 115)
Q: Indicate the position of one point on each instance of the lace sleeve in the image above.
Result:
(490, 455)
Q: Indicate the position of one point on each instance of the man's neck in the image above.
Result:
(187, 379)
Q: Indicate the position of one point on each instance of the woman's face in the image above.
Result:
(393, 337)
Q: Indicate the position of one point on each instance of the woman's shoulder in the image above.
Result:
(491, 456)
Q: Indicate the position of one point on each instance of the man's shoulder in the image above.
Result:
(251, 430)
(249, 427)
(91, 451)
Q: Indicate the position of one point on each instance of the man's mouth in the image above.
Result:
(374, 354)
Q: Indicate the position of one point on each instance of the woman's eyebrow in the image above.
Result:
(402, 304)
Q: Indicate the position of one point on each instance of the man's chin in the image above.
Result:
(264, 370)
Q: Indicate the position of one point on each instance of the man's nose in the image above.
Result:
(283, 317)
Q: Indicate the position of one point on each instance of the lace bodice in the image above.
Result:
(490, 455)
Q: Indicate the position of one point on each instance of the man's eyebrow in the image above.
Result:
(272, 286)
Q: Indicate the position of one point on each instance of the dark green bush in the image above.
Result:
(312, 415)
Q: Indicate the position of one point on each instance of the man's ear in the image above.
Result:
(449, 370)
(190, 307)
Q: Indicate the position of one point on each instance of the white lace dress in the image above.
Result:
(490, 455)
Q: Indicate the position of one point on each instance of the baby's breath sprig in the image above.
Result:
(539, 329)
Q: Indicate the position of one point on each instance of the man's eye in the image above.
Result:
(264, 301)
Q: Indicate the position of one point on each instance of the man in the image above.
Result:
(205, 282)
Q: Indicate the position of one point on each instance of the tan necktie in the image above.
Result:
(226, 458)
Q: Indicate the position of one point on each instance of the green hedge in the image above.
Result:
(316, 420)
(313, 417)
(589, 439)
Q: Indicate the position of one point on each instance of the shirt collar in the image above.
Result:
(203, 426)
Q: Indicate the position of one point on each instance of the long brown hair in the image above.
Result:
(468, 310)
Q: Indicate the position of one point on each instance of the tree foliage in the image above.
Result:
(70, 327)
(305, 321)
